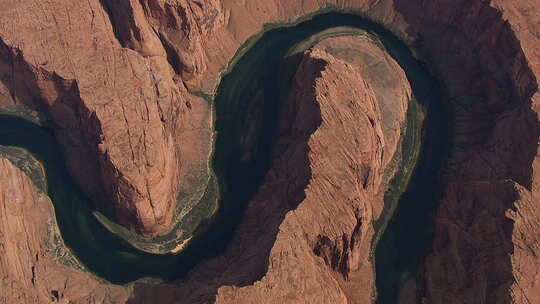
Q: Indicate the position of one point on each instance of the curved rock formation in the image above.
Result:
(308, 232)
(339, 111)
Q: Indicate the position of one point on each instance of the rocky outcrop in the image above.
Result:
(30, 272)
(347, 154)
(113, 101)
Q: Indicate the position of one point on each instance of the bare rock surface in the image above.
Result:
(117, 110)
(29, 271)
(484, 250)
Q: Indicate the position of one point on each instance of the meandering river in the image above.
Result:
(403, 233)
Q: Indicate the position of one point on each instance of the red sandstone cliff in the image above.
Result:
(117, 110)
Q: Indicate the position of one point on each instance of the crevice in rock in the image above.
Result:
(33, 279)
(122, 20)
(55, 295)
(335, 253)
(172, 54)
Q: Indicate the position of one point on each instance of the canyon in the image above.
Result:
(127, 88)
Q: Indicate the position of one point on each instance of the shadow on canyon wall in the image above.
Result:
(488, 86)
(59, 106)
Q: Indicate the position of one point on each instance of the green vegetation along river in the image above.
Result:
(251, 91)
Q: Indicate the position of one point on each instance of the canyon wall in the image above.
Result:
(117, 111)
(31, 250)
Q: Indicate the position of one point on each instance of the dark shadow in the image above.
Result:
(471, 254)
(122, 20)
(495, 138)
(483, 86)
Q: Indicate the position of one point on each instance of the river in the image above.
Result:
(241, 159)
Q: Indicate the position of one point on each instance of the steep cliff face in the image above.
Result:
(347, 154)
(488, 60)
(113, 76)
(31, 272)
(111, 94)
